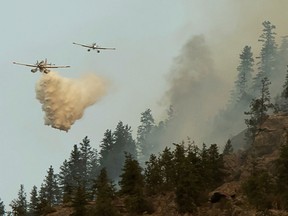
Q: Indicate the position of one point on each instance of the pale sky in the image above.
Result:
(147, 35)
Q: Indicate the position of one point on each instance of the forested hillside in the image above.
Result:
(147, 174)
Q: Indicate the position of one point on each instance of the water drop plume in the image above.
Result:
(64, 100)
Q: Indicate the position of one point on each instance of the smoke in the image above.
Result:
(204, 72)
(195, 91)
(64, 100)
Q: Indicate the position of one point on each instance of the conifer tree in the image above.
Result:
(33, 205)
(65, 182)
(267, 64)
(79, 201)
(105, 193)
(2, 208)
(153, 175)
(132, 185)
(106, 150)
(244, 78)
(89, 163)
(166, 162)
(259, 108)
(19, 205)
(228, 148)
(51, 188)
(144, 135)
(282, 177)
(259, 189)
(122, 142)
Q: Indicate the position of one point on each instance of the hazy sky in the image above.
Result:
(148, 35)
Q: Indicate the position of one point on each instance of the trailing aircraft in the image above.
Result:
(94, 46)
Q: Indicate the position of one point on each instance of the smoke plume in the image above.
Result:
(195, 90)
(64, 100)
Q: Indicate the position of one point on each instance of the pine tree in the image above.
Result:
(51, 189)
(166, 162)
(244, 78)
(79, 201)
(144, 132)
(33, 205)
(88, 157)
(75, 167)
(19, 205)
(122, 142)
(2, 208)
(267, 64)
(132, 185)
(106, 148)
(258, 109)
(259, 189)
(105, 193)
(282, 177)
(65, 182)
(228, 148)
(153, 175)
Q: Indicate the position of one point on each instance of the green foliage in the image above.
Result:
(144, 134)
(132, 186)
(259, 108)
(244, 78)
(19, 205)
(282, 177)
(153, 175)
(33, 205)
(116, 144)
(105, 193)
(259, 190)
(2, 208)
(132, 180)
(228, 148)
(268, 54)
(79, 201)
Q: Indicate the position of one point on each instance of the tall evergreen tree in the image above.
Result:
(105, 193)
(79, 201)
(228, 148)
(51, 188)
(144, 132)
(132, 186)
(106, 148)
(19, 205)
(259, 108)
(282, 177)
(89, 163)
(268, 55)
(168, 173)
(2, 208)
(65, 182)
(122, 142)
(33, 205)
(244, 78)
(153, 175)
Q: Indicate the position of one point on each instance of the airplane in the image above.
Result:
(94, 46)
(42, 66)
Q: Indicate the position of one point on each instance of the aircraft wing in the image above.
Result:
(83, 45)
(52, 66)
(28, 65)
(105, 48)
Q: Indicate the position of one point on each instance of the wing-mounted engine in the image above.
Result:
(34, 70)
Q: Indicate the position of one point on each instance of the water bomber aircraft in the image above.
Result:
(42, 66)
(94, 46)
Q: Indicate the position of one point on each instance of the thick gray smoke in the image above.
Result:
(64, 100)
(196, 92)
